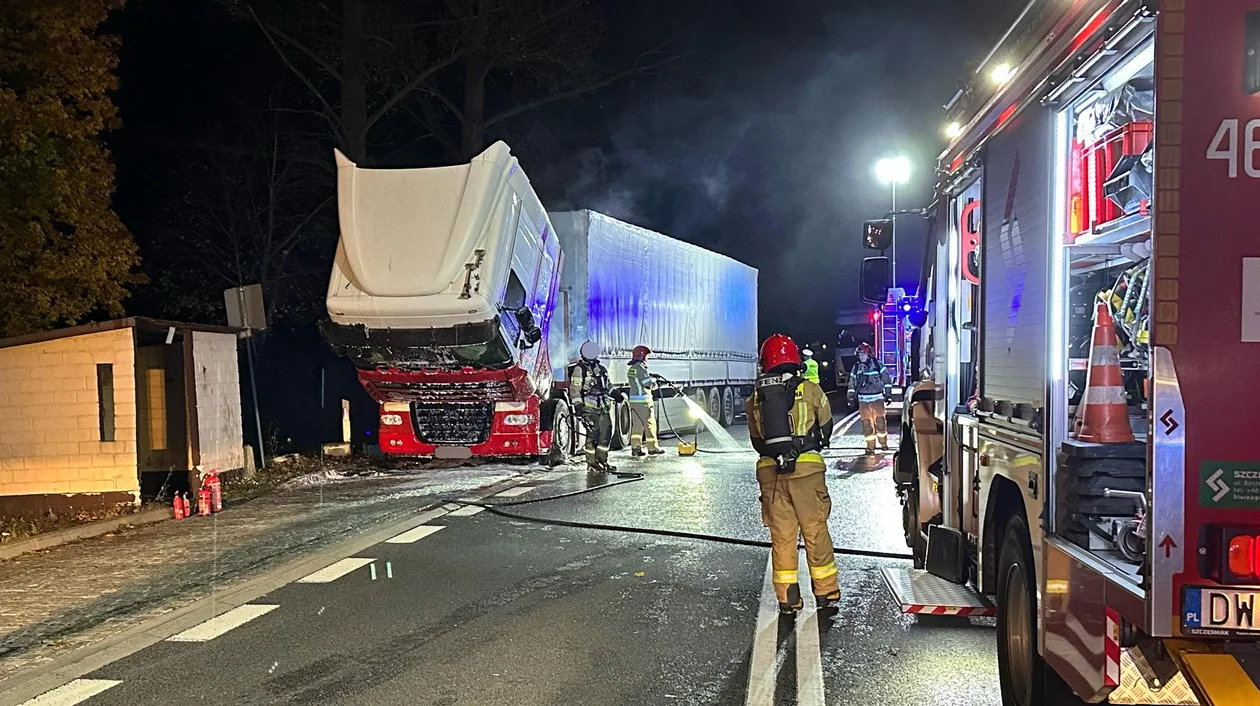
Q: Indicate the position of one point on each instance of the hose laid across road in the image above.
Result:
(497, 509)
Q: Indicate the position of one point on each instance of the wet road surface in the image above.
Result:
(490, 610)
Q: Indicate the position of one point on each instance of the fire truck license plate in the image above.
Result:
(1211, 611)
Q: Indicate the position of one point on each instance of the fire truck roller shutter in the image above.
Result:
(1016, 247)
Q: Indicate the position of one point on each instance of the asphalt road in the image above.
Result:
(488, 610)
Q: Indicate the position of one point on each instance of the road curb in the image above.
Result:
(49, 540)
(83, 661)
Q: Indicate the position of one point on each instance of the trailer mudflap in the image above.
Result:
(919, 592)
(1218, 677)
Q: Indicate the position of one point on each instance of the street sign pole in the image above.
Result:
(253, 377)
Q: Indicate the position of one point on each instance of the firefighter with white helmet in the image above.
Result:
(789, 422)
(642, 407)
(866, 387)
(592, 396)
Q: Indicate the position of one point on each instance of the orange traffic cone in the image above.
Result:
(1104, 415)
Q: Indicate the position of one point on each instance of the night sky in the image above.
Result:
(757, 141)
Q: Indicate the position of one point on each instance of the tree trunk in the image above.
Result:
(474, 130)
(353, 83)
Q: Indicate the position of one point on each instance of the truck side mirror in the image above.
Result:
(877, 235)
(873, 280)
(530, 333)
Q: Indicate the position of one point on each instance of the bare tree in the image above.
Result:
(457, 67)
(252, 213)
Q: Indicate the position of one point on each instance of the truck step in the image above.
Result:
(919, 592)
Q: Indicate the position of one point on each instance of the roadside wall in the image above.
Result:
(52, 455)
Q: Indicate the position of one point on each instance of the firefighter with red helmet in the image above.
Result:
(789, 422)
(866, 387)
(642, 407)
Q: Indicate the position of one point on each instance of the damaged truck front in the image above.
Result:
(441, 295)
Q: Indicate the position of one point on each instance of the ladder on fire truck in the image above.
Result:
(890, 334)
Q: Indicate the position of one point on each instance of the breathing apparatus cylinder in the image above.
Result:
(776, 395)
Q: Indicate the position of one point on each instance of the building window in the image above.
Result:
(105, 399)
(155, 384)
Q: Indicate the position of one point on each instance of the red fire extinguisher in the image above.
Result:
(203, 501)
(216, 491)
(181, 506)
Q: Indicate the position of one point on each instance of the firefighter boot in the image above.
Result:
(637, 453)
(655, 451)
(794, 602)
(831, 601)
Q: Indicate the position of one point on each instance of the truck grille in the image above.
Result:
(462, 424)
(447, 391)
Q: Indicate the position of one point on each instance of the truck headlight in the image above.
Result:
(518, 420)
(391, 420)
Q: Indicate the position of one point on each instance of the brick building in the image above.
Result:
(92, 415)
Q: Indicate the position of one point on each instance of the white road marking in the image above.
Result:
(763, 670)
(467, 511)
(809, 676)
(414, 534)
(74, 692)
(334, 571)
(220, 624)
(841, 429)
(513, 492)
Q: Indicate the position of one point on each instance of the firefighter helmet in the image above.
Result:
(640, 353)
(807, 353)
(866, 348)
(590, 350)
(779, 350)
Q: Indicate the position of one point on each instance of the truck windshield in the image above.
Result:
(491, 354)
(481, 345)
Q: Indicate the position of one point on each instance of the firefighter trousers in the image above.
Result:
(793, 506)
(598, 422)
(874, 423)
(642, 425)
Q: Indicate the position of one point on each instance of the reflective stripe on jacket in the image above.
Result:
(590, 384)
(641, 384)
(810, 411)
(867, 380)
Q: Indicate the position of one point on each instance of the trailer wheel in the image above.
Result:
(714, 406)
(728, 407)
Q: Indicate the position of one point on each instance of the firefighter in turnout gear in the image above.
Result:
(592, 395)
(810, 367)
(642, 408)
(866, 387)
(789, 422)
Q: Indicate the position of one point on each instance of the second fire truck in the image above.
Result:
(1084, 459)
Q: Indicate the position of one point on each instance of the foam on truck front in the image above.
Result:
(441, 295)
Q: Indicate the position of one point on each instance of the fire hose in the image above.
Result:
(497, 509)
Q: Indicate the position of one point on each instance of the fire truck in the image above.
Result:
(1094, 247)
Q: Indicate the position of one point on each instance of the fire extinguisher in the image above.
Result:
(203, 501)
(216, 491)
(181, 506)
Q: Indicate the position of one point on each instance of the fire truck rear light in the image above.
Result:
(1242, 556)
(391, 420)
